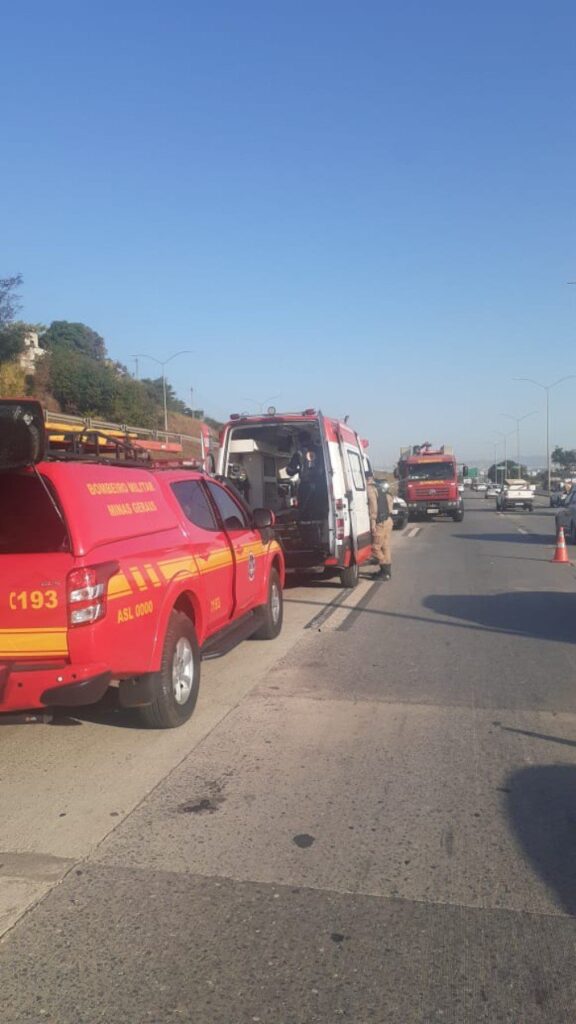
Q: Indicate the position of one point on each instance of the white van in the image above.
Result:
(309, 469)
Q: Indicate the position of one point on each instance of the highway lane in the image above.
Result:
(379, 828)
(65, 786)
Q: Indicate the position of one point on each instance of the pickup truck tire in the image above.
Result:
(349, 576)
(175, 685)
(272, 611)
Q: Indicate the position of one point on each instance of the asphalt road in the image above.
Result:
(372, 820)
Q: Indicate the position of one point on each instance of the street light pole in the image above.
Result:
(518, 421)
(165, 400)
(162, 363)
(547, 388)
(505, 439)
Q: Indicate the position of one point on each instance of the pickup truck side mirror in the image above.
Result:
(263, 518)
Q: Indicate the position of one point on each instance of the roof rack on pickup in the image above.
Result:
(59, 424)
(94, 446)
(29, 436)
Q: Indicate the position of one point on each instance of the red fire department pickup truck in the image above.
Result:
(112, 571)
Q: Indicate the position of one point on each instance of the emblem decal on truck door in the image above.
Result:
(251, 567)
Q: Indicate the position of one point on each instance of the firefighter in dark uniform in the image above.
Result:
(380, 507)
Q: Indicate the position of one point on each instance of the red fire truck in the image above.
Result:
(428, 482)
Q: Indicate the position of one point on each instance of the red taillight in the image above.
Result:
(339, 529)
(86, 590)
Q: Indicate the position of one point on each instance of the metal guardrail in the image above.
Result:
(90, 422)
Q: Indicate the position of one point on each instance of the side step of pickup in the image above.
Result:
(223, 642)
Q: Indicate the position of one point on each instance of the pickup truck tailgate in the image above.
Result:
(33, 614)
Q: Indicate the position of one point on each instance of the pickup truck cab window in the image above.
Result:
(233, 516)
(194, 503)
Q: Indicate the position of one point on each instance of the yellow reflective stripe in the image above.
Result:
(15, 642)
(118, 586)
(153, 575)
(215, 560)
(175, 566)
(140, 581)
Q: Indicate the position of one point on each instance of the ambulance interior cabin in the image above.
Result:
(281, 466)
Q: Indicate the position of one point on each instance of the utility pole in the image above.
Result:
(518, 421)
(163, 363)
(505, 440)
(547, 388)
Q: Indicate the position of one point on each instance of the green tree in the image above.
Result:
(565, 459)
(12, 341)
(9, 300)
(156, 391)
(508, 469)
(133, 404)
(12, 338)
(74, 337)
(82, 385)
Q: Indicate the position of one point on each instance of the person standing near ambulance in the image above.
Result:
(380, 506)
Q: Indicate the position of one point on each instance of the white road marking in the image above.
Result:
(413, 532)
(520, 530)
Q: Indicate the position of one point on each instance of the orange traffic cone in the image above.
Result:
(560, 553)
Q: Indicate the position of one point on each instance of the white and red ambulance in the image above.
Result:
(310, 469)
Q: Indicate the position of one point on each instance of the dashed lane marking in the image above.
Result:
(413, 532)
(520, 530)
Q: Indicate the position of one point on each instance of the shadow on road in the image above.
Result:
(106, 712)
(544, 614)
(541, 805)
(540, 736)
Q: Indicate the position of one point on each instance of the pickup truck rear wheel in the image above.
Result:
(175, 684)
(272, 611)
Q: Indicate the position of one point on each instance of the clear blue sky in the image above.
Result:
(367, 207)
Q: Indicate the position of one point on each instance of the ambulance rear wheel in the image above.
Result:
(175, 685)
(349, 576)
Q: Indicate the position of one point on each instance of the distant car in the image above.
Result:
(399, 514)
(492, 491)
(515, 494)
(481, 486)
(566, 517)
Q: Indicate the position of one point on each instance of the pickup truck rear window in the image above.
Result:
(29, 523)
